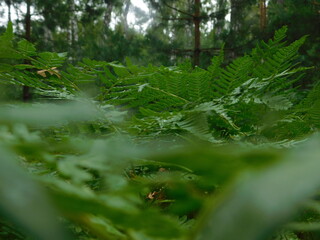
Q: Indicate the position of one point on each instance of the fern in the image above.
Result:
(237, 96)
(309, 108)
(232, 101)
(232, 76)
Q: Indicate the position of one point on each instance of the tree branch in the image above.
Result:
(201, 50)
(221, 11)
(178, 10)
(173, 19)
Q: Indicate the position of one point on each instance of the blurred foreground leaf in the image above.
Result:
(45, 115)
(259, 202)
(25, 203)
(122, 212)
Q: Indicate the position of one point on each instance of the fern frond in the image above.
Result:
(232, 76)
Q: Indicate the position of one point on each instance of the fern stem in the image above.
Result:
(167, 93)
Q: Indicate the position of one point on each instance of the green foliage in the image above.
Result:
(158, 152)
(266, 198)
(258, 84)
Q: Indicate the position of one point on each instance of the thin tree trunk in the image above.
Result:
(197, 43)
(221, 18)
(28, 21)
(263, 15)
(125, 16)
(47, 35)
(73, 24)
(8, 2)
(107, 13)
(26, 95)
(236, 9)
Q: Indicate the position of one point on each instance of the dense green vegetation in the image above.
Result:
(198, 121)
(226, 152)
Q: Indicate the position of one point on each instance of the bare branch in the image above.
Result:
(173, 19)
(216, 14)
(201, 50)
(178, 10)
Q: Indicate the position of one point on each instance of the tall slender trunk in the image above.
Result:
(28, 21)
(108, 12)
(8, 2)
(197, 43)
(236, 8)
(73, 24)
(125, 16)
(263, 14)
(26, 95)
(221, 17)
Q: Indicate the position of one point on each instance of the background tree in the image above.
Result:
(186, 22)
(100, 29)
(302, 18)
(26, 94)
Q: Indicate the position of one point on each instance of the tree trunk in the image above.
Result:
(26, 95)
(236, 21)
(8, 2)
(125, 16)
(221, 17)
(108, 12)
(236, 10)
(197, 43)
(73, 24)
(263, 15)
